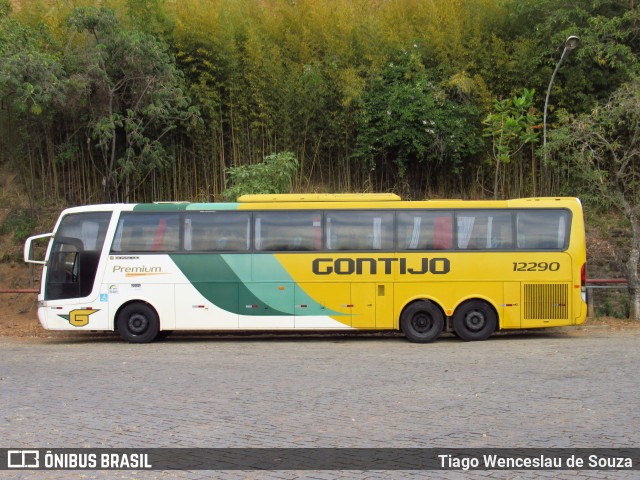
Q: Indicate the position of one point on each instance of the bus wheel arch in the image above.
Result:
(422, 321)
(137, 322)
(475, 319)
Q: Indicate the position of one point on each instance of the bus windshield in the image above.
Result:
(75, 254)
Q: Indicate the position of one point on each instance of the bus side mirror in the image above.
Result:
(27, 248)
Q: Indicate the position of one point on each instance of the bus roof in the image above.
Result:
(320, 197)
(333, 201)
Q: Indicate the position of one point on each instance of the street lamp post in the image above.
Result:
(570, 43)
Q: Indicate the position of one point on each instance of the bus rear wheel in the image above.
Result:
(138, 323)
(422, 322)
(474, 320)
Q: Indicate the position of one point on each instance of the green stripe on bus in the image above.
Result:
(160, 207)
(212, 206)
(219, 284)
(267, 268)
(226, 280)
(183, 206)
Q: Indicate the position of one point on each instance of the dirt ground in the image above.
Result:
(18, 311)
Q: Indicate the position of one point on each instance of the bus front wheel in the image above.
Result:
(474, 320)
(138, 323)
(422, 322)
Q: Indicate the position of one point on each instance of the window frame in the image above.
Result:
(394, 232)
(325, 214)
(247, 238)
(132, 214)
(266, 213)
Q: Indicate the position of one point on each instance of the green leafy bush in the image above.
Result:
(273, 175)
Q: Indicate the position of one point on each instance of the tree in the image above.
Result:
(150, 16)
(604, 149)
(5, 8)
(274, 175)
(134, 96)
(535, 32)
(368, 95)
(32, 89)
(408, 121)
(511, 126)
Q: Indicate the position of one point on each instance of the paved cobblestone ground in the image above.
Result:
(546, 389)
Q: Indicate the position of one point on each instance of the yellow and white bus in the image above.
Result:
(311, 262)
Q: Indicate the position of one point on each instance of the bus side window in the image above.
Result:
(543, 229)
(360, 230)
(484, 230)
(217, 231)
(295, 231)
(424, 230)
(148, 232)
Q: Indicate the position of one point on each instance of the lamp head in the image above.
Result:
(571, 42)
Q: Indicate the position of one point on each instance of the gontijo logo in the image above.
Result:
(371, 266)
(79, 317)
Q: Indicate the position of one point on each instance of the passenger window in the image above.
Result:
(147, 232)
(360, 230)
(288, 231)
(217, 231)
(484, 230)
(425, 230)
(543, 229)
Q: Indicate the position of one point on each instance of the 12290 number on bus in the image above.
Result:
(536, 266)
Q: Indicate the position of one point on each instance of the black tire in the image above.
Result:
(422, 322)
(138, 323)
(474, 320)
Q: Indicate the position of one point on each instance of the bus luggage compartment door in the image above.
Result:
(372, 305)
(323, 305)
(510, 315)
(267, 305)
(196, 307)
